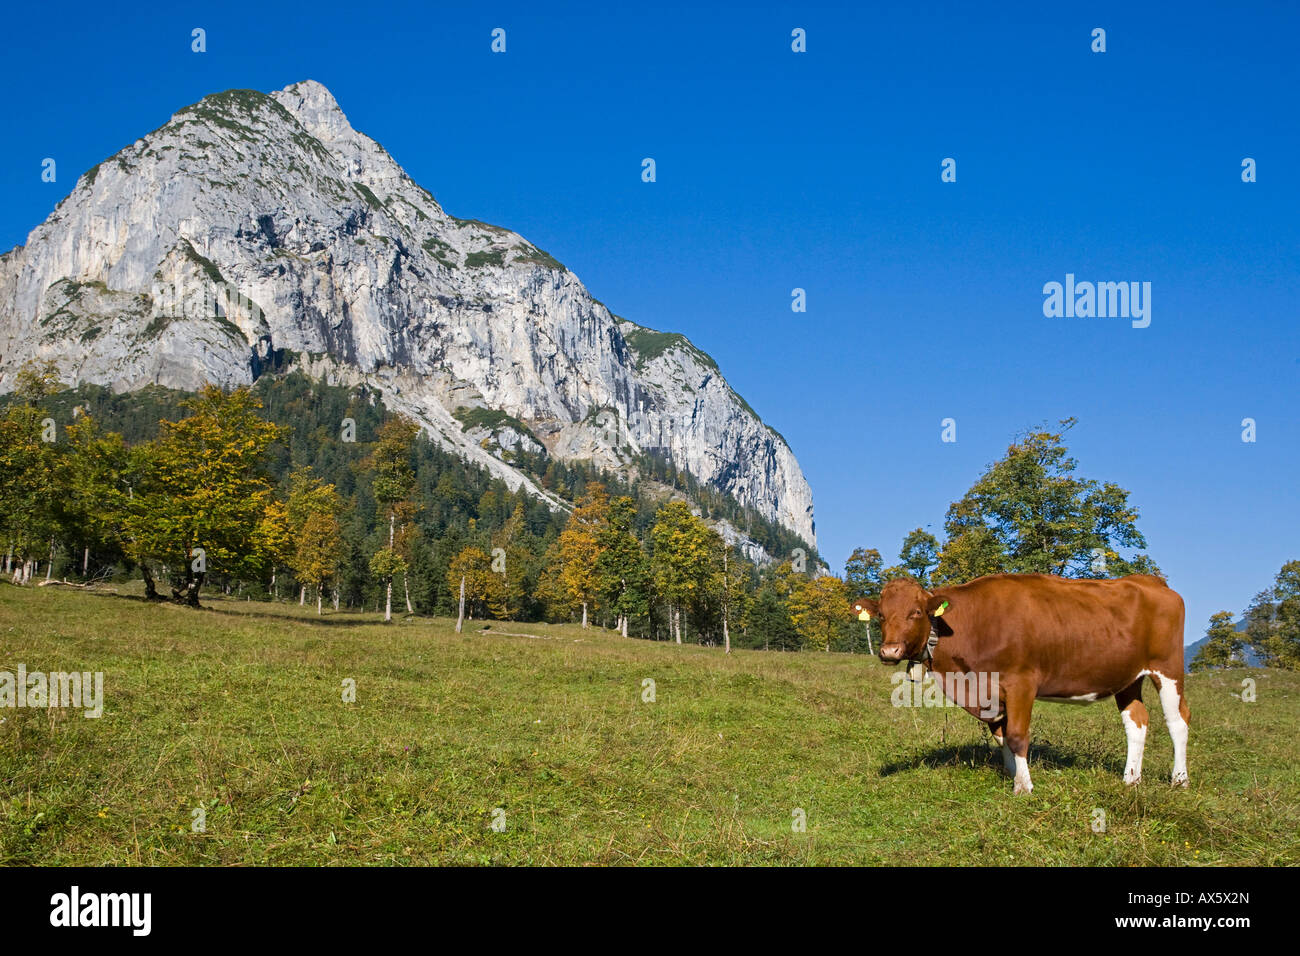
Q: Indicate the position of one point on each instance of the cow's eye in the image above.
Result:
(915, 613)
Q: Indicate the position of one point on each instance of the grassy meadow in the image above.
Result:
(238, 709)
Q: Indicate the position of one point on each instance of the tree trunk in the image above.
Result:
(460, 616)
(584, 615)
(334, 594)
(726, 601)
(318, 597)
(302, 595)
(85, 562)
(406, 584)
(150, 588)
(677, 623)
(388, 603)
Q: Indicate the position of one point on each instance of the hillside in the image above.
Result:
(259, 231)
(239, 709)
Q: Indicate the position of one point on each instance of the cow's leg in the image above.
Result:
(1174, 703)
(1133, 714)
(999, 731)
(1020, 705)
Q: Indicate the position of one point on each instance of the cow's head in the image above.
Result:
(904, 611)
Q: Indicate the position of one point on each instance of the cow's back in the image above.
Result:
(1073, 637)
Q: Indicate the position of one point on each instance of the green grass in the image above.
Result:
(490, 418)
(534, 256)
(239, 708)
(477, 260)
(649, 345)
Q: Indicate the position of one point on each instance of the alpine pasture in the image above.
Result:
(545, 744)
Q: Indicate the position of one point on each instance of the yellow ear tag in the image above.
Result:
(941, 608)
(864, 616)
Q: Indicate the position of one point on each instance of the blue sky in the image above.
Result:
(821, 171)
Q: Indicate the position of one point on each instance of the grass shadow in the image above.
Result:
(979, 755)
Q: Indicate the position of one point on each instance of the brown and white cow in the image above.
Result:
(1045, 638)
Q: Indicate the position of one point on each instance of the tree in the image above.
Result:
(579, 549)
(862, 573)
(202, 493)
(384, 564)
(316, 557)
(35, 380)
(275, 541)
(484, 588)
(315, 536)
(681, 559)
(394, 480)
(1028, 513)
(819, 609)
(33, 480)
(622, 570)
(97, 476)
(920, 552)
(1224, 647)
(736, 597)
(767, 622)
(1273, 620)
(315, 543)
(1285, 647)
(513, 560)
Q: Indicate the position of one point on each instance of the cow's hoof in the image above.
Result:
(1132, 781)
(1180, 781)
(1023, 786)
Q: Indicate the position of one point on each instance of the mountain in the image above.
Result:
(255, 232)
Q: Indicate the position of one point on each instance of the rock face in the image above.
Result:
(255, 225)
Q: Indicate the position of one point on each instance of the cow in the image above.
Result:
(1042, 637)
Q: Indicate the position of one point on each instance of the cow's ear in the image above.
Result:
(936, 605)
(866, 608)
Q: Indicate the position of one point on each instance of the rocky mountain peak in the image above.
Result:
(254, 224)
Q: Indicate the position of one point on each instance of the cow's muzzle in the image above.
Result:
(892, 653)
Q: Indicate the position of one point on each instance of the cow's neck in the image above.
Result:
(917, 668)
(945, 654)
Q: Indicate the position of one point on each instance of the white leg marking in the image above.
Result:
(1137, 740)
(1023, 784)
(1177, 727)
(1008, 758)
